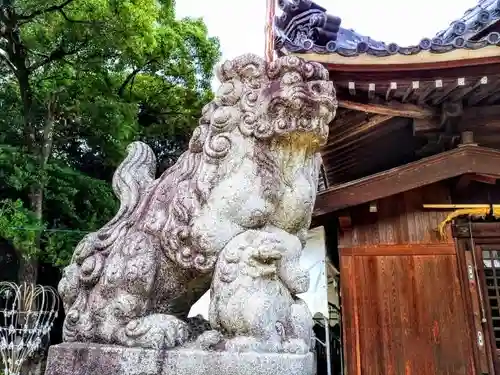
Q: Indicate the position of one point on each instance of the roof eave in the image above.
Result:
(305, 28)
(459, 161)
(423, 61)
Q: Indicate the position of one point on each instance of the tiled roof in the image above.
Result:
(305, 26)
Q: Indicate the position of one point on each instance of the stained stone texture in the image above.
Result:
(245, 188)
(253, 294)
(231, 215)
(90, 359)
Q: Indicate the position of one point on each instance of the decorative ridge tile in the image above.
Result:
(306, 27)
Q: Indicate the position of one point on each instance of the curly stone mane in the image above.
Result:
(240, 108)
(252, 163)
(186, 186)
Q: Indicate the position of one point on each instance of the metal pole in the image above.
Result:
(341, 344)
(269, 34)
(327, 345)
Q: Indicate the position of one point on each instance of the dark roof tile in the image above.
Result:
(305, 26)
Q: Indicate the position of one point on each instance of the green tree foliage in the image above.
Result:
(79, 80)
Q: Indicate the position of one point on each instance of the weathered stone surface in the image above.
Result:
(245, 188)
(92, 359)
(253, 293)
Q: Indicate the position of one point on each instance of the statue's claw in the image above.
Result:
(156, 331)
(209, 340)
(252, 344)
(242, 344)
(296, 346)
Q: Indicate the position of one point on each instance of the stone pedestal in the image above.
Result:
(93, 359)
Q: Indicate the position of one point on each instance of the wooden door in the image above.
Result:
(480, 243)
(403, 311)
(474, 306)
(488, 262)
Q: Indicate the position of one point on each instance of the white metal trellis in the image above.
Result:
(27, 313)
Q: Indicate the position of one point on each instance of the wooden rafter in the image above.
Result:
(472, 118)
(480, 117)
(466, 159)
(347, 137)
(392, 109)
(466, 179)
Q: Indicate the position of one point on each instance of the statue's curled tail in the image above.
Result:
(130, 180)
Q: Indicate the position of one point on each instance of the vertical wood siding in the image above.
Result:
(404, 315)
(400, 219)
(403, 308)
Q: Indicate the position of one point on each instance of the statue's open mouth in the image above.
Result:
(268, 270)
(302, 112)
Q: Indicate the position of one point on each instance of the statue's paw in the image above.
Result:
(296, 280)
(156, 331)
(209, 340)
(78, 326)
(302, 284)
(242, 344)
(69, 286)
(270, 346)
(296, 346)
(252, 344)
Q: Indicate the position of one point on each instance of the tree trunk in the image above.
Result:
(28, 270)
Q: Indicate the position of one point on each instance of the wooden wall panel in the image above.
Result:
(404, 314)
(399, 219)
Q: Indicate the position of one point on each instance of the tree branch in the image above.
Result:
(131, 77)
(65, 16)
(58, 54)
(48, 133)
(53, 8)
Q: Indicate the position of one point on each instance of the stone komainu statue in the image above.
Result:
(254, 287)
(252, 164)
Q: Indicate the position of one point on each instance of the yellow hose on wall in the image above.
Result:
(473, 213)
